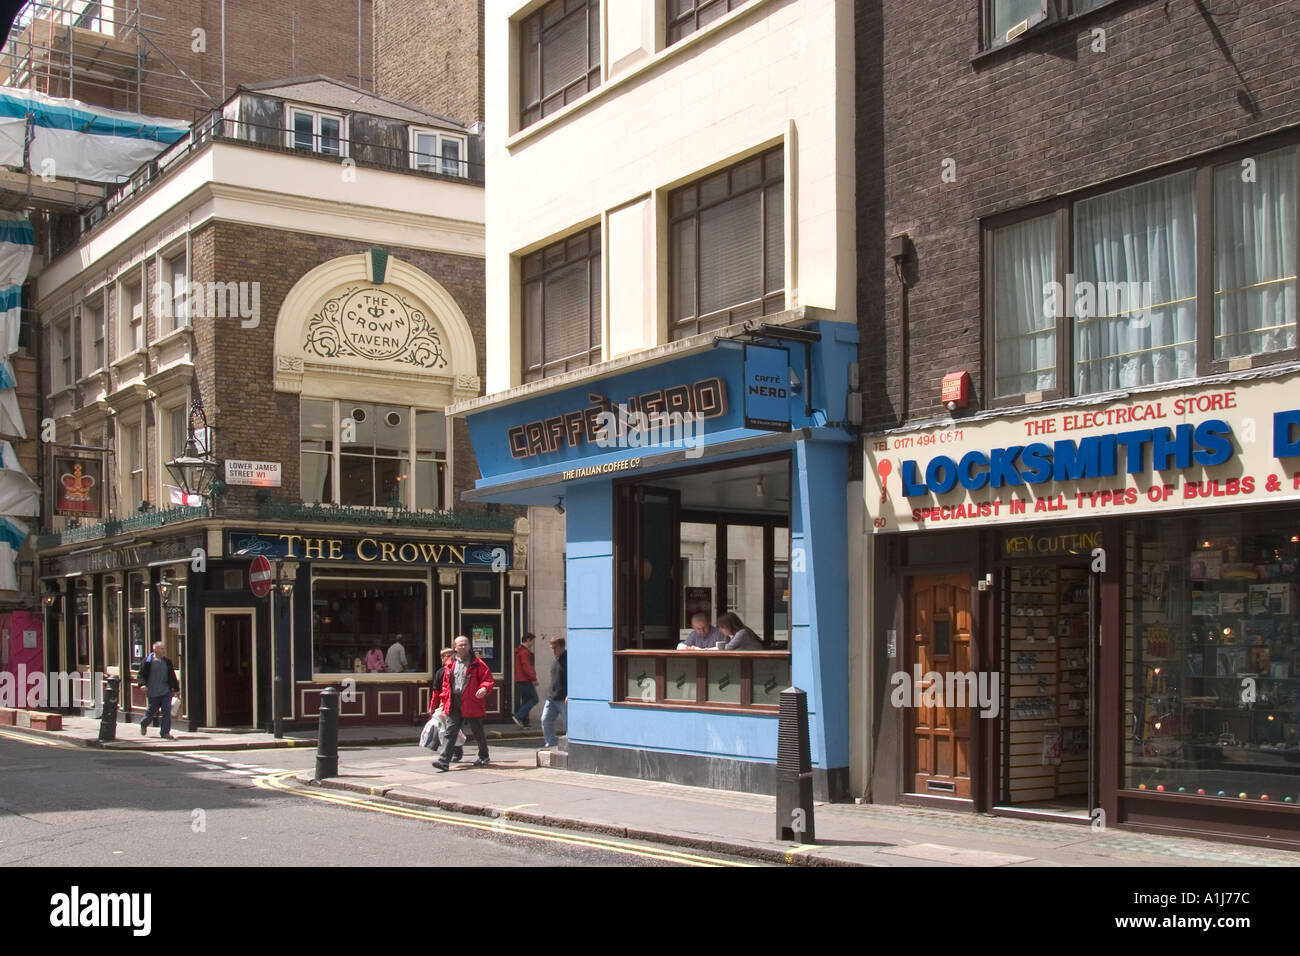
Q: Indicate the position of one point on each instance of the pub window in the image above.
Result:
(438, 152)
(1132, 286)
(726, 246)
(112, 629)
(369, 455)
(561, 313)
(92, 334)
(356, 615)
(703, 541)
(316, 131)
(559, 57)
(131, 310)
(137, 617)
(687, 16)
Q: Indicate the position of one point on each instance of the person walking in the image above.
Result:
(465, 683)
(435, 698)
(525, 680)
(158, 678)
(557, 701)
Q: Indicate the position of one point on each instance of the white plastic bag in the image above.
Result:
(176, 706)
(429, 732)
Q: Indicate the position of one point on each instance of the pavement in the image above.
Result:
(521, 786)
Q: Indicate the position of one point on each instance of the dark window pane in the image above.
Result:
(774, 240)
(566, 311)
(533, 325)
(357, 481)
(564, 54)
(682, 243)
(731, 244)
(714, 188)
(302, 131)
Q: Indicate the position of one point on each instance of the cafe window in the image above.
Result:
(726, 246)
(705, 541)
(356, 620)
(1212, 688)
(371, 455)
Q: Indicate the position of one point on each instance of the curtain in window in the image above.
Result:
(1135, 251)
(1024, 321)
(1254, 256)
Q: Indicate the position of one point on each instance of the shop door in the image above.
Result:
(939, 645)
(232, 643)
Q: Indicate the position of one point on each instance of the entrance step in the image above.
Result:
(554, 759)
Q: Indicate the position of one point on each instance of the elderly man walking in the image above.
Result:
(465, 684)
(158, 678)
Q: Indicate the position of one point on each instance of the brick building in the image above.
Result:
(261, 275)
(1088, 208)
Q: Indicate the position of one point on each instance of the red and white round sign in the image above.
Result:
(259, 576)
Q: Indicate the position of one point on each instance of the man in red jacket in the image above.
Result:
(525, 680)
(465, 684)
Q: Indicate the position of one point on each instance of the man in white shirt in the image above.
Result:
(396, 658)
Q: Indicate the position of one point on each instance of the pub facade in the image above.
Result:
(309, 347)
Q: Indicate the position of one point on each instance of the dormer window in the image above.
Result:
(316, 131)
(434, 151)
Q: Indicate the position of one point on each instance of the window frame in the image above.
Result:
(164, 439)
(440, 136)
(94, 315)
(176, 310)
(316, 114)
(63, 352)
(1203, 167)
(1051, 12)
(412, 458)
(126, 313)
(591, 78)
(595, 349)
(128, 470)
(708, 322)
(671, 23)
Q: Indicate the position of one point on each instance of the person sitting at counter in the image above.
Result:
(702, 636)
(375, 662)
(739, 637)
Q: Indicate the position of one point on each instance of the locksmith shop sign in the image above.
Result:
(1192, 448)
(367, 549)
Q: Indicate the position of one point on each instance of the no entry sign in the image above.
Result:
(259, 576)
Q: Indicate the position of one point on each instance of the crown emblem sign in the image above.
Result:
(76, 485)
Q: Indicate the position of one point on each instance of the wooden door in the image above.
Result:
(233, 647)
(938, 733)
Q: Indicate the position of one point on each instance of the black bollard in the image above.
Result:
(794, 786)
(108, 718)
(327, 740)
(277, 705)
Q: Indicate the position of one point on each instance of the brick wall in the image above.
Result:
(430, 54)
(1044, 116)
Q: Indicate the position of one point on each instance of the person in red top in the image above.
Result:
(525, 680)
(467, 680)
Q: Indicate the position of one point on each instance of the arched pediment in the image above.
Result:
(372, 325)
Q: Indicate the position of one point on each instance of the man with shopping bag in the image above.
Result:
(158, 678)
(466, 682)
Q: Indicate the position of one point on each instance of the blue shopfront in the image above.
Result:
(704, 494)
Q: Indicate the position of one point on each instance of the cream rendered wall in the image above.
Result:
(771, 71)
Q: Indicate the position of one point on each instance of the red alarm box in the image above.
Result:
(956, 390)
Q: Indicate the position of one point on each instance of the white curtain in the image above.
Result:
(1254, 256)
(1137, 242)
(1024, 321)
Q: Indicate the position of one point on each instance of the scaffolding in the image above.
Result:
(104, 54)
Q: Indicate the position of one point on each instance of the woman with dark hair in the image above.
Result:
(739, 637)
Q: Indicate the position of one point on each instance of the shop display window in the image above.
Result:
(356, 620)
(1211, 655)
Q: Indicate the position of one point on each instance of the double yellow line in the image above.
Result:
(279, 782)
(32, 739)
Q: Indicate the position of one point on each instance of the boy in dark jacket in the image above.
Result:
(158, 678)
(557, 701)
